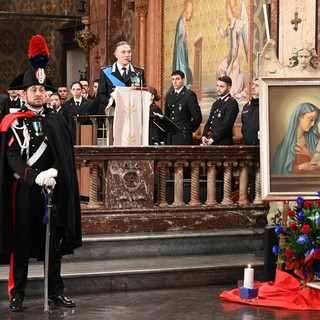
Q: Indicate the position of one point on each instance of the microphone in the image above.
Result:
(53, 104)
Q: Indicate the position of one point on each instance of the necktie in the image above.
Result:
(77, 104)
(124, 74)
(23, 104)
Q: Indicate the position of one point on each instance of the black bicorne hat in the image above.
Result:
(32, 77)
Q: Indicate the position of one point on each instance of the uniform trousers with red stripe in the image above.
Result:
(29, 241)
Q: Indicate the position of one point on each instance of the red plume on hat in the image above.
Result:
(38, 52)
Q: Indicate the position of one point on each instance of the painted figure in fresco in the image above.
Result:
(295, 152)
(302, 63)
(237, 33)
(181, 54)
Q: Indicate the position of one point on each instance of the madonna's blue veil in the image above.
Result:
(286, 152)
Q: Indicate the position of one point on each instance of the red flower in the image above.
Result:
(293, 226)
(318, 202)
(288, 253)
(307, 204)
(305, 229)
(291, 214)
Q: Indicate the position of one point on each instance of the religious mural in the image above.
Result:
(211, 36)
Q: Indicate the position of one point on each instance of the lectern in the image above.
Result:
(131, 116)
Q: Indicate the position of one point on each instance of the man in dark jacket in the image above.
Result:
(223, 114)
(250, 117)
(182, 108)
(37, 155)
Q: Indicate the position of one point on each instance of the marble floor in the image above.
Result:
(197, 303)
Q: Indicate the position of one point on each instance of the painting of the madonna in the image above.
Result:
(290, 148)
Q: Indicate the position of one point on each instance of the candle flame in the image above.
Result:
(249, 265)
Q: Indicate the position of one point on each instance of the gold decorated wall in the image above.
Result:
(16, 32)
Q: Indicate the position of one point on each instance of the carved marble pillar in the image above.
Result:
(227, 183)
(243, 183)
(211, 182)
(162, 187)
(178, 183)
(257, 198)
(142, 9)
(195, 183)
(93, 187)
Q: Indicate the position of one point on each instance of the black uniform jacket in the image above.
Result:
(250, 122)
(66, 193)
(106, 86)
(185, 112)
(220, 123)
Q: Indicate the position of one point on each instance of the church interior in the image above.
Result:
(155, 243)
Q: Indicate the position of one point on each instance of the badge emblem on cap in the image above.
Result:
(40, 75)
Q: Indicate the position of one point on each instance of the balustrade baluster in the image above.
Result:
(162, 187)
(178, 183)
(243, 183)
(257, 198)
(211, 183)
(93, 186)
(227, 183)
(195, 183)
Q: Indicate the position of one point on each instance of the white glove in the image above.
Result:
(51, 182)
(44, 178)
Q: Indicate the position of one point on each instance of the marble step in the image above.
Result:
(137, 245)
(143, 273)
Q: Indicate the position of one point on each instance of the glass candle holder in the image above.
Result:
(248, 294)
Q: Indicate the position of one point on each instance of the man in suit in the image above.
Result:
(223, 114)
(182, 108)
(122, 73)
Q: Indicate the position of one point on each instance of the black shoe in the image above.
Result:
(61, 300)
(16, 304)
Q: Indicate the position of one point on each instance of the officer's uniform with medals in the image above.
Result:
(220, 123)
(183, 110)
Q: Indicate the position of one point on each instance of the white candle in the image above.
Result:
(248, 277)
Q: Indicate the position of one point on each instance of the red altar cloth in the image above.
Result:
(284, 292)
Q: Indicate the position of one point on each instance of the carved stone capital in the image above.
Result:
(142, 7)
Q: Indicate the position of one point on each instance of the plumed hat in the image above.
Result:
(38, 55)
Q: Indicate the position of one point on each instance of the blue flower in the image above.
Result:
(299, 200)
(278, 230)
(300, 215)
(318, 220)
(276, 250)
(319, 194)
(303, 238)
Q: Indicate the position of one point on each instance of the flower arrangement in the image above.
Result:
(299, 240)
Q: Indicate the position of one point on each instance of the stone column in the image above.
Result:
(178, 183)
(142, 9)
(93, 187)
(211, 183)
(227, 183)
(195, 183)
(243, 183)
